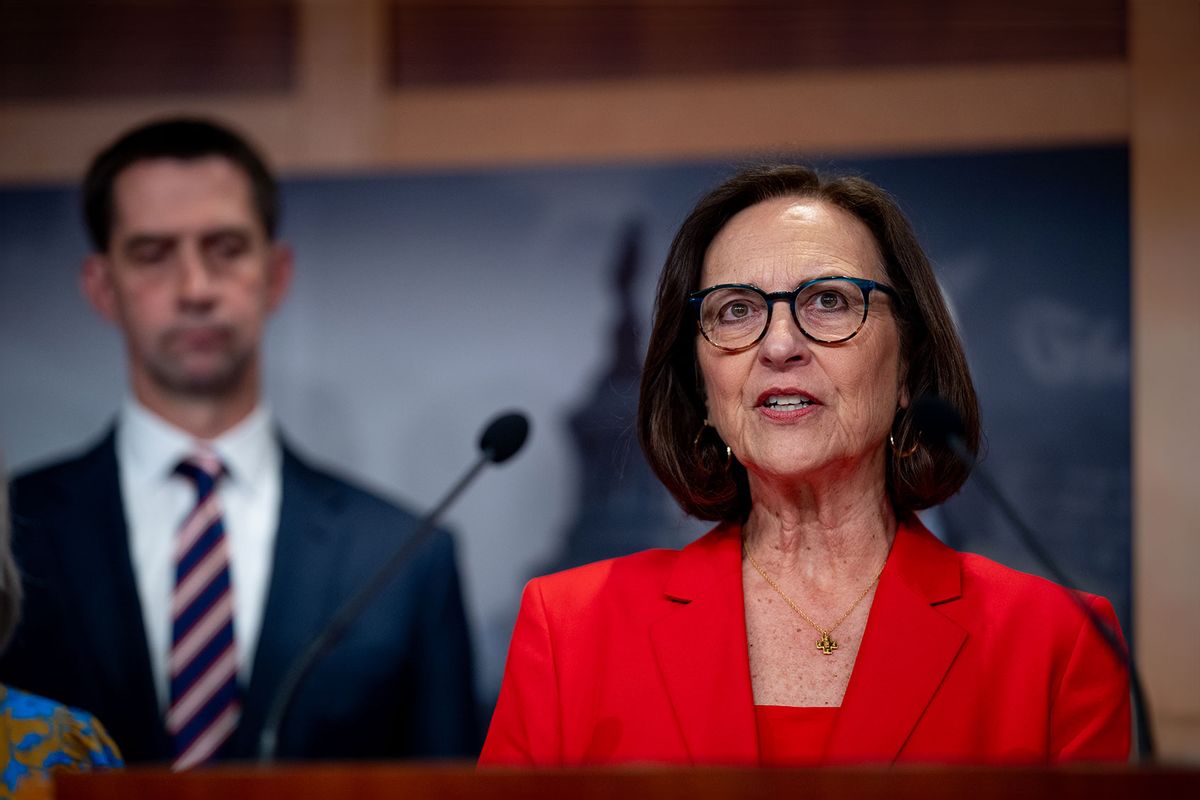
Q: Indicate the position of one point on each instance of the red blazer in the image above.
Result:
(644, 659)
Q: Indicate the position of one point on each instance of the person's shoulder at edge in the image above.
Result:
(43, 736)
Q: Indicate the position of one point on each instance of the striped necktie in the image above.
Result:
(203, 664)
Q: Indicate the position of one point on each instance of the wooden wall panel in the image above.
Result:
(454, 42)
(1165, 150)
(71, 49)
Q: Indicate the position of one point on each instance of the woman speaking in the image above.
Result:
(819, 622)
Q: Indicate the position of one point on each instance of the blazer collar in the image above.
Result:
(700, 645)
(907, 648)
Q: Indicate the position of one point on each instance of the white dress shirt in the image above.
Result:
(156, 500)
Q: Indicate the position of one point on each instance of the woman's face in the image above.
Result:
(788, 406)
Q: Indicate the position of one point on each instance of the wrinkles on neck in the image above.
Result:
(826, 531)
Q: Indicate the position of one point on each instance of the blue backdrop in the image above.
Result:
(426, 302)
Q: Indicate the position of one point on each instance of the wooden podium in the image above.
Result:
(368, 781)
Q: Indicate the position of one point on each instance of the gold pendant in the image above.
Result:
(825, 644)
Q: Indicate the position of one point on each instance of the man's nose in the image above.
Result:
(195, 276)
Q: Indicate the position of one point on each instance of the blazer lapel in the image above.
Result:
(907, 648)
(98, 569)
(298, 599)
(700, 645)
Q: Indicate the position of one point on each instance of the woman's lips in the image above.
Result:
(786, 403)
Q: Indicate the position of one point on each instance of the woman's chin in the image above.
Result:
(789, 467)
(784, 468)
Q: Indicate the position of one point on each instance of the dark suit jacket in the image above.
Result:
(398, 685)
(644, 658)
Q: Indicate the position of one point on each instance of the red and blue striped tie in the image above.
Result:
(203, 664)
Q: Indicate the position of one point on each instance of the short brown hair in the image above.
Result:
(184, 139)
(671, 409)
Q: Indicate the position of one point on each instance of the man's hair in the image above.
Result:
(671, 411)
(180, 138)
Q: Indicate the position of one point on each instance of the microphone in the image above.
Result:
(500, 441)
(504, 436)
(941, 425)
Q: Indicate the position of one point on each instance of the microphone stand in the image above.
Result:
(502, 438)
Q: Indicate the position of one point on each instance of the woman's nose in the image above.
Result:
(783, 341)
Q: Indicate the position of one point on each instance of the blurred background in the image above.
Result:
(481, 194)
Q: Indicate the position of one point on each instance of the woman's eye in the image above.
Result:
(829, 300)
(736, 310)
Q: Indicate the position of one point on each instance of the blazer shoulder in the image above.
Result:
(50, 483)
(324, 484)
(618, 582)
(1012, 593)
(636, 582)
(360, 514)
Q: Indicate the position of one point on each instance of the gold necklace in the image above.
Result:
(826, 643)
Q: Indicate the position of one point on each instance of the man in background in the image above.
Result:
(176, 569)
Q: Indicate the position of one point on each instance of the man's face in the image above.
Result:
(190, 276)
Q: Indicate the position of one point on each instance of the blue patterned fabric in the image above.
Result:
(41, 737)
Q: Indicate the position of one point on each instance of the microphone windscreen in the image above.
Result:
(936, 420)
(504, 436)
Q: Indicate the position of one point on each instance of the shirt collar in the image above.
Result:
(154, 447)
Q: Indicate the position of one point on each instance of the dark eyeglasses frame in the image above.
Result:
(866, 286)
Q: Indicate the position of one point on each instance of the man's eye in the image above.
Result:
(149, 253)
(227, 247)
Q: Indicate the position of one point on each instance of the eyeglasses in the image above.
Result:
(734, 316)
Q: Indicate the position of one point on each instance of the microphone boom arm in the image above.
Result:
(502, 438)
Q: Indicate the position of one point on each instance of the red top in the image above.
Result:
(644, 658)
(791, 736)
